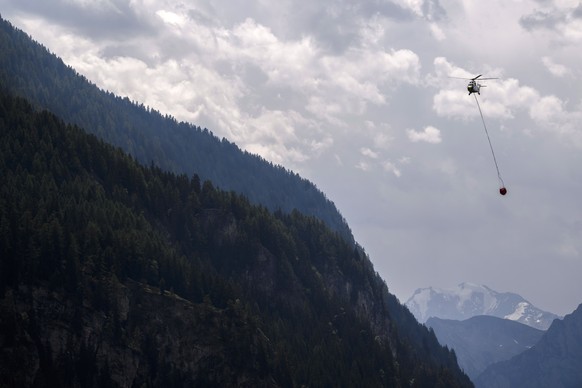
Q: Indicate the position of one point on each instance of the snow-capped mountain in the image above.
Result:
(469, 300)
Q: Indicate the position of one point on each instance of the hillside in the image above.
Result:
(483, 340)
(116, 274)
(555, 361)
(28, 70)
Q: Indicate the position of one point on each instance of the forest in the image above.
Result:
(28, 70)
(113, 273)
(136, 250)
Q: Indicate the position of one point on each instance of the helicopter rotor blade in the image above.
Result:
(474, 78)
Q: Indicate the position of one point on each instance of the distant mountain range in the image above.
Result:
(469, 300)
(555, 361)
(483, 340)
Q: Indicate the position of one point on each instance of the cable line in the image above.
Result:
(502, 189)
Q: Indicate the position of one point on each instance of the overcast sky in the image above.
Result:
(356, 96)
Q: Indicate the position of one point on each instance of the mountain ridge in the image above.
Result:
(29, 70)
(468, 300)
(483, 340)
(553, 362)
(95, 248)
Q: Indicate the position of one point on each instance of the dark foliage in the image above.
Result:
(113, 273)
(28, 70)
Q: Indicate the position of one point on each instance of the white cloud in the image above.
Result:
(547, 109)
(390, 167)
(171, 18)
(560, 19)
(382, 140)
(437, 32)
(555, 69)
(551, 115)
(369, 153)
(363, 165)
(430, 134)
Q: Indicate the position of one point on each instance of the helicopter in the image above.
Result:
(474, 86)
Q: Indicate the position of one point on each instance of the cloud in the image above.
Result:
(390, 167)
(172, 18)
(369, 153)
(437, 32)
(101, 19)
(555, 69)
(428, 9)
(504, 99)
(363, 165)
(501, 98)
(541, 19)
(382, 140)
(551, 114)
(429, 135)
(562, 20)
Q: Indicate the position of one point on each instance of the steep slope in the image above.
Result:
(115, 274)
(27, 69)
(555, 361)
(483, 340)
(469, 300)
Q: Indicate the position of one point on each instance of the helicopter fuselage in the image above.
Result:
(473, 87)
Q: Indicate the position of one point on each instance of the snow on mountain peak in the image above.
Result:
(518, 313)
(470, 299)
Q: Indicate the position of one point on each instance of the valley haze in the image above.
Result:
(356, 97)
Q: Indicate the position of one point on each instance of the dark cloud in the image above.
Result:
(577, 12)
(340, 29)
(541, 19)
(386, 9)
(433, 10)
(550, 18)
(114, 19)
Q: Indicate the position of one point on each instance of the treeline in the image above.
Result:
(28, 70)
(276, 297)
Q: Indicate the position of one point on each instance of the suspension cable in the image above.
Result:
(502, 189)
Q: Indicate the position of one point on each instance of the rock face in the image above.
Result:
(555, 361)
(165, 338)
(483, 340)
(469, 300)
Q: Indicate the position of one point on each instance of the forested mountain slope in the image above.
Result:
(115, 274)
(27, 69)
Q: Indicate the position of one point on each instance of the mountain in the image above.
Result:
(555, 361)
(28, 70)
(483, 340)
(117, 274)
(469, 300)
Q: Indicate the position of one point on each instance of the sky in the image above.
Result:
(357, 96)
